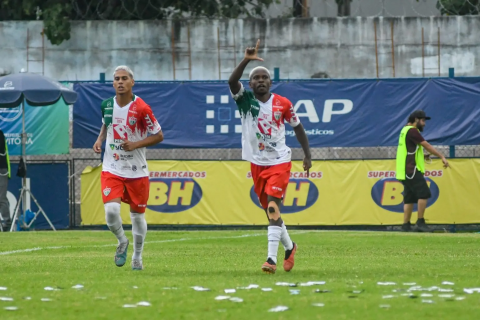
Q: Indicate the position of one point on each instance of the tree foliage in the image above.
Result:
(458, 7)
(57, 14)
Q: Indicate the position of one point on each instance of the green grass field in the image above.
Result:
(347, 261)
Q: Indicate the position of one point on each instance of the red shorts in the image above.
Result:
(133, 191)
(270, 180)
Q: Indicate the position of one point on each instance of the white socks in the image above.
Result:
(274, 235)
(286, 241)
(114, 221)
(139, 231)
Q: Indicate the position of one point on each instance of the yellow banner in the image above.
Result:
(337, 193)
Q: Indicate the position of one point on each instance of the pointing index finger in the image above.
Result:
(257, 45)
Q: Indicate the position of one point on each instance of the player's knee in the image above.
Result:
(275, 222)
(112, 210)
(273, 208)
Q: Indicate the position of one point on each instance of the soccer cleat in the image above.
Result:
(121, 254)
(137, 264)
(289, 261)
(269, 266)
(406, 227)
(422, 226)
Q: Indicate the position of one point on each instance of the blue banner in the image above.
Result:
(49, 185)
(47, 129)
(335, 113)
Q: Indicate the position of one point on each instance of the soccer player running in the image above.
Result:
(263, 115)
(127, 122)
(411, 168)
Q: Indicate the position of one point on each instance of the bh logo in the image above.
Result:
(388, 194)
(173, 195)
(301, 194)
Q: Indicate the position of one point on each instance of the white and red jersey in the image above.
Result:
(263, 127)
(132, 122)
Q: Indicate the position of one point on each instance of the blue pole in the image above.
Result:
(276, 74)
(451, 74)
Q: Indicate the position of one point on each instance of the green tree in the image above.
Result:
(57, 14)
(458, 7)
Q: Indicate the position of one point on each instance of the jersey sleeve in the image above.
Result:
(415, 136)
(243, 100)
(289, 114)
(153, 127)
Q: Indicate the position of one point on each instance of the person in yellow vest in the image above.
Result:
(411, 169)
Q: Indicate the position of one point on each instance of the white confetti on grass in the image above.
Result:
(129, 305)
(199, 288)
(46, 299)
(471, 290)
(144, 304)
(446, 296)
(100, 298)
(318, 304)
(426, 295)
(78, 286)
(448, 283)
(267, 289)
(460, 298)
(286, 284)
(50, 289)
(428, 301)
(386, 283)
(135, 287)
(230, 290)
(294, 291)
(27, 298)
(11, 308)
(219, 298)
(235, 299)
(409, 283)
(311, 283)
(6, 299)
(384, 306)
(278, 309)
(3, 288)
(389, 296)
(445, 290)
(170, 288)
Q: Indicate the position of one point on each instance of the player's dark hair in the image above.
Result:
(411, 119)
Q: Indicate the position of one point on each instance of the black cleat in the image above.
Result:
(406, 227)
(422, 226)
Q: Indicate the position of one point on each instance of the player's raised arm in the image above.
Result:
(250, 54)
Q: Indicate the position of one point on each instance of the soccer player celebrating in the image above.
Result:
(127, 121)
(263, 115)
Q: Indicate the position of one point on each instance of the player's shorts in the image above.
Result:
(270, 180)
(133, 191)
(415, 189)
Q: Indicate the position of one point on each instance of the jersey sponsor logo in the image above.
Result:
(387, 193)
(107, 191)
(149, 121)
(134, 168)
(173, 195)
(300, 195)
(277, 188)
(116, 156)
(115, 147)
(178, 174)
(132, 120)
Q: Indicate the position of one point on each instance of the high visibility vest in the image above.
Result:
(402, 155)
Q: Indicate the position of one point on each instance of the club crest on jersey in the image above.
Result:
(277, 102)
(277, 115)
(132, 120)
(107, 191)
(261, 146)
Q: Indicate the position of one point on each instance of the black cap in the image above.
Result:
(420, 114)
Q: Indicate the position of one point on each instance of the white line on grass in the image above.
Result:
(3, 253)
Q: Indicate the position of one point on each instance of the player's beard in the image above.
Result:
(420, 127)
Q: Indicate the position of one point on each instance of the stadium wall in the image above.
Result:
(328, 47)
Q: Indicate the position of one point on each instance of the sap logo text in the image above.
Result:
(300, 195)
(329, 109)
(173, 195)
(388, 194)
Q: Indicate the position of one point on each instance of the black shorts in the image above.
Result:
(415, 189)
